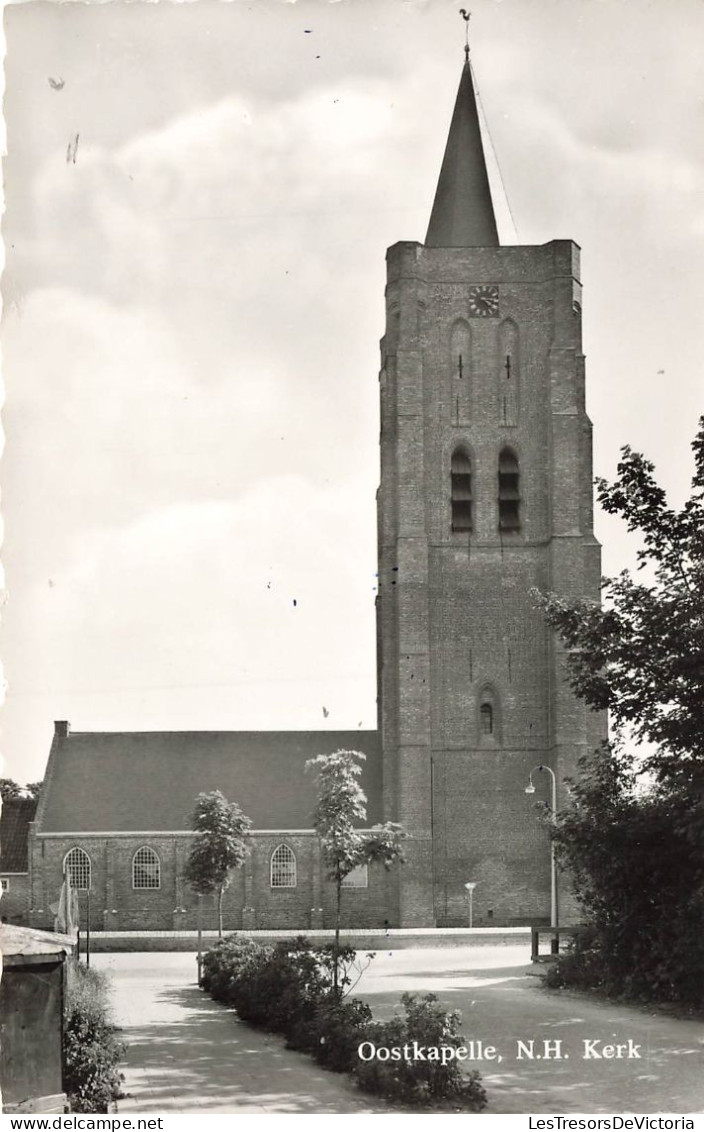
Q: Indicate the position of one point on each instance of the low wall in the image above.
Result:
(370, 939)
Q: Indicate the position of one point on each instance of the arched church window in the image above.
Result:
(146, 869)
(461, 490)
(509, 492)
(78, 866)
(283, 867)
(358, 877)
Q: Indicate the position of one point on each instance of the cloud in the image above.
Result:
(214, 595)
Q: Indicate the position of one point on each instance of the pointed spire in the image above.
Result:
(463, 214)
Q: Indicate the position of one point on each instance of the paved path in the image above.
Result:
(188, 1054)
(502, 1001)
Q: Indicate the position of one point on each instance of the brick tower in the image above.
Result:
(485, 495)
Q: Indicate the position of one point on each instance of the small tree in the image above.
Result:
(340, 810)
(220, 845)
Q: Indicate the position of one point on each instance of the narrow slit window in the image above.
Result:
(461, 491)
(509, 492)
(283, 867)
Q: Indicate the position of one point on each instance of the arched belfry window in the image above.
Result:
(78, 866)
(461, 490)
(509, 491)
(509, 372)
(488, 717)
(283, 867)
(146, 869)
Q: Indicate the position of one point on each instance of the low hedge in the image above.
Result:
(288, 989)
(91, 1048)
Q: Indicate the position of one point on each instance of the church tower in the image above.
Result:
(485, 496)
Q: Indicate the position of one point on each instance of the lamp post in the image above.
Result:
(470, 886)
(552, 805)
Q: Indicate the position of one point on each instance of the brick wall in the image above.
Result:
(249, 902)
(456, 610)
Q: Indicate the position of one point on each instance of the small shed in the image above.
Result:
(31, 1018)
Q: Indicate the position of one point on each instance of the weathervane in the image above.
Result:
(466, 16)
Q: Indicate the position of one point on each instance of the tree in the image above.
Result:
(642, 654)
(221, 845)
(632, 836)
(340, 811)
(11, 790)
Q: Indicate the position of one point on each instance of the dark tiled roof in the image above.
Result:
(149, 780)
(16, 815)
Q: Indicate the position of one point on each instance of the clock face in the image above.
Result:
(484, 301)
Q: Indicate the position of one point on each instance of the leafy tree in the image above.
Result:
(340, 810)
(220, 845)
(633, 834)
(642, 654)
(11, 790)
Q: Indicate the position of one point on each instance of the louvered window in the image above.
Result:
(509, 492)
(461, 491)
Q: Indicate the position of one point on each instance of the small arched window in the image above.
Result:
(509, 492)
(283, 867)
(461, 490)
(486, 719)
(78, 866)
(146, 869)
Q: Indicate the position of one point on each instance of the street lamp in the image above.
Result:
(470, 886)
(552, 806)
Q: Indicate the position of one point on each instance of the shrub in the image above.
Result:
(91, 1049)
(332, 1032)
(284, 986)
(228, 965)
(290, 989)
(413, 1079)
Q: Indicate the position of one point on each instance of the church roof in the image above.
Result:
(463, 213)
(148, 781)
(16, 815)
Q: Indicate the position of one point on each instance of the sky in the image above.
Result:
(198, 199)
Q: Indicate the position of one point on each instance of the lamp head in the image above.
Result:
(530, 789)
(470, 885)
